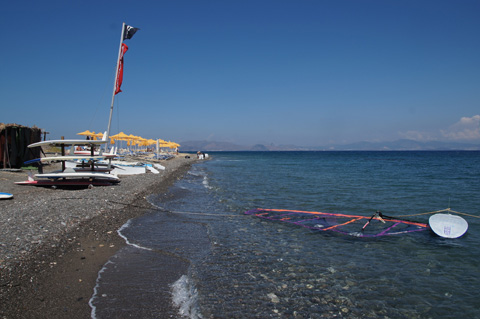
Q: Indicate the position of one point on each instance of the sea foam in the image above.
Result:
(124, 226)
(184, 297)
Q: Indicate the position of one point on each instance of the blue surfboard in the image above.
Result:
(6, 195)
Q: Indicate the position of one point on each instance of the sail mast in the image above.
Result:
(115, 81)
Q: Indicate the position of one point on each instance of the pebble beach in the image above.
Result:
(53, 242)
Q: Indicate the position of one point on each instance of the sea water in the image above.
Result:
(234, 265)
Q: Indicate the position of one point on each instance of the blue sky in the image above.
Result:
(309, 73)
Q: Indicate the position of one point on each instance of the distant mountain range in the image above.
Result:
(399, 145)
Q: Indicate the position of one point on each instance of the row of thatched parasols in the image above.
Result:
(131, 139)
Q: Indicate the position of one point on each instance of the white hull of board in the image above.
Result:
(115, 169)
(6, 195)
(78, 175)
(129, 170)
(448, 225)
(71, 158)
(68, 142)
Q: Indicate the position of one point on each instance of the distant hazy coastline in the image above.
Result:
(398, 145)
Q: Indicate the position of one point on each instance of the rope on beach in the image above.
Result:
(439, 211)
(192, 213)
(105, 200)
(155, 207)
(204, 214)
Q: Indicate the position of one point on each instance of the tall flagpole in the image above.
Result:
(115, 83)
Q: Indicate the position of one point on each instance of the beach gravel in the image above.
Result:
(53, 242)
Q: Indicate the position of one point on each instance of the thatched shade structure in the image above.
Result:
(14, 140)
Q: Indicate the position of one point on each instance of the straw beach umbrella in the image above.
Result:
(97, 135)
(164, 144)
(120, 137)
(130, 139)
(86, 133)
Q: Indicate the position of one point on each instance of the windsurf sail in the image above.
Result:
(375, 225)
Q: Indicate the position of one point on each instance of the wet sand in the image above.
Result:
(54, 241)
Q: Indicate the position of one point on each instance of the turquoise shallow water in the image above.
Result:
(241, 266)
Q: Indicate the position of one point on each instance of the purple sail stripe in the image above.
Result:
(386, 230)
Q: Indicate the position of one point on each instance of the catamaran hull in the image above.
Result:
(68, 182)
(80, 175)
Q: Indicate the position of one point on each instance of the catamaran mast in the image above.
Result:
(115, 82)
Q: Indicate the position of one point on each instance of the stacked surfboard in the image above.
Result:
(70, 177)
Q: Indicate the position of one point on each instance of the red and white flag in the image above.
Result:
(120, 70)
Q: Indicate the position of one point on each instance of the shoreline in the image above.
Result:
(55, 241)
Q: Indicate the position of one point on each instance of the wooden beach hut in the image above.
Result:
(14, 139)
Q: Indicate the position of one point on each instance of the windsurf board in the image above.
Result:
(448, 225)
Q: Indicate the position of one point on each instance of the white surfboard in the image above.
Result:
(159, 166)
(95, 175)
(152, 169)
(448, 225)
(71, 158)
(6, 195)
(66, 158)
(68, 142)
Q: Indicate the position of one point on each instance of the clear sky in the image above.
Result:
(264, 71)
